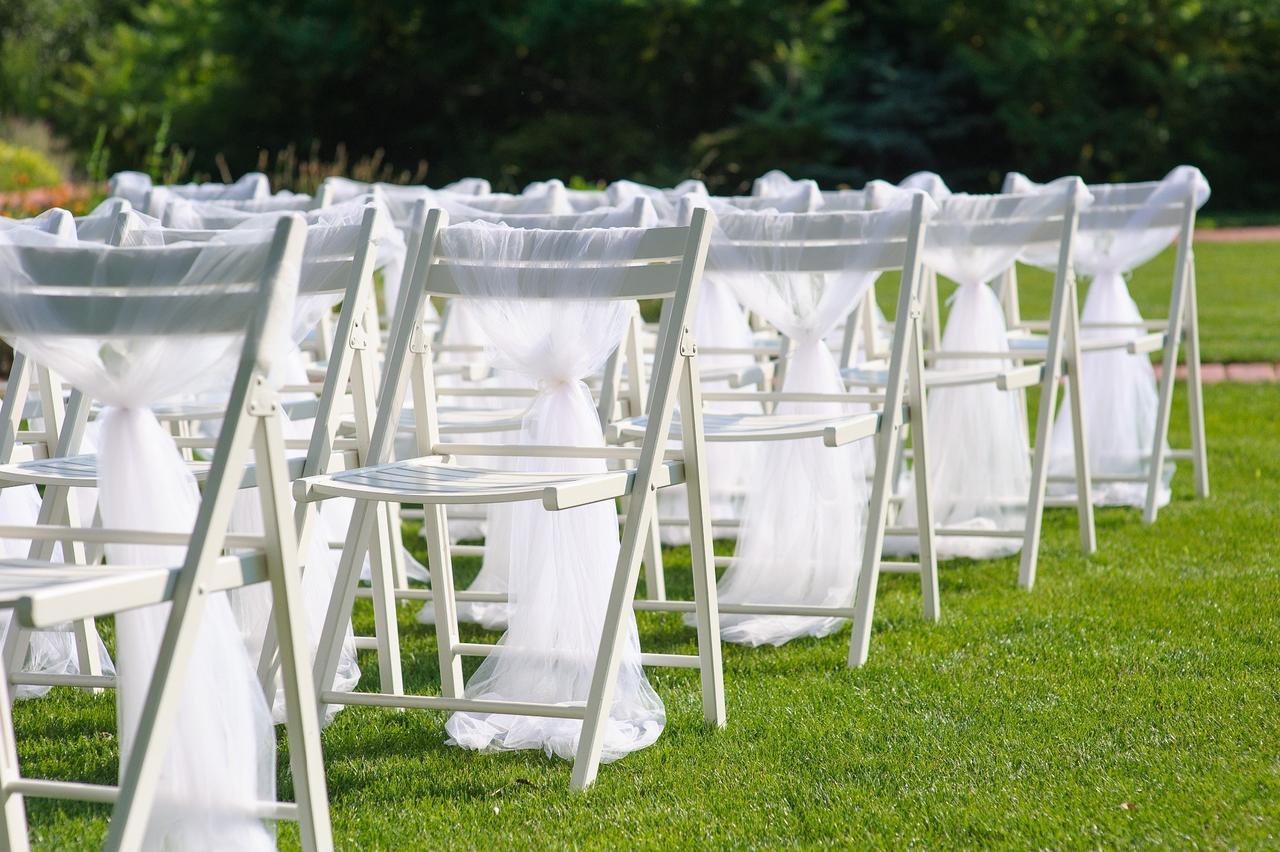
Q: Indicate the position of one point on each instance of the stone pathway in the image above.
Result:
(1254, 234)
(1258, 373)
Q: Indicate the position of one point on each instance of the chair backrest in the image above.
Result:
(84, 290)
(819, 242)
(282, 202)
(804, 198)
(553, 200)
(53, 221)
(48, 403)
(154, 199)
(1121, 206)
(100, 225)
(580, 200)
(330, 253)
(666, 264)
(638, 213)
(64, 289)
(344, 189)
(1115, 206)
(1009, 219)
(845, 199)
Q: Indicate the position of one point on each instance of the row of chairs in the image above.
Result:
(531, 280)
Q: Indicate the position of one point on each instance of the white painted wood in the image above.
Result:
(70, 592)
(673, 263)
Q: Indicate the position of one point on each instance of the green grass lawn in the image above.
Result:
(1236, 284)
(1131, 699)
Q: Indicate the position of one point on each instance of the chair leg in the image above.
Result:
(706, 608)
(869, 577)
(399, 574)
(1195, 390)
(609, 656)
(1161, 431)
(343, 600)
(306, 760)
(930, 598)
(13, 812)
(86, 639)
(442, 600)
(1183, 284)
(1079, 434)
(390, 673)
(655, 583)
(17, 641)
(1034, 521)
(140, 776)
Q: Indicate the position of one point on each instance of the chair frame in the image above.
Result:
(677, 258)
(901, 402)
(1180, 327)
(1060, 359)
(252, 423)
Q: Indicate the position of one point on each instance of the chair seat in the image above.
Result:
(82, 471)
(834, 431)
(457, 421)
(1134, 342)
(934, 377)
(47, 593)
(432, 480)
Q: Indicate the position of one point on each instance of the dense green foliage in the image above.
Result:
(659, 89)
(1128, 701)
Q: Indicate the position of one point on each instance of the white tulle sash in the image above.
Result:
(1120, 403)
(803, 526)
(220, 761)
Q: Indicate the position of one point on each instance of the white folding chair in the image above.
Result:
(337, 267)
(35, 394)
(1124, 410)
(975, 236)
(493, 407)
(667, 264)
(860, 245)
(75, 293)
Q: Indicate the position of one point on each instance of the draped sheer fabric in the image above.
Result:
(719, 323)
(665, 201)
(930, 183)
(803, 196)
(579, 200)
(1119, 387)
(495, 529)
(50, 651)
(555, 331)
(97, 226)
(979, 454)
(773, 183)
(803, 522)
(220, 759)
(137, 188)
(332, 233)
(390, 241)
(345, 189)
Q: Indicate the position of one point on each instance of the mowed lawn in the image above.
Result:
(1131, 699)
(1238, 285)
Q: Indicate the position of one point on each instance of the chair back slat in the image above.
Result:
(90, 290)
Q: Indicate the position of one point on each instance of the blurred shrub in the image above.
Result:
(23, 168)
